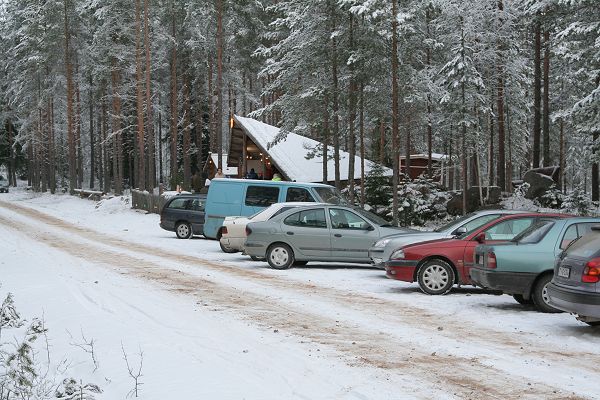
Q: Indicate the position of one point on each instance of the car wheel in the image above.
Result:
(280, 256)
(254, 258)
(540, 295)
(436, 277)
(183, 230)
(300, 263)
(226, 249)
(522, 300)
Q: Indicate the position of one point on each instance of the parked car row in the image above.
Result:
(538, 258)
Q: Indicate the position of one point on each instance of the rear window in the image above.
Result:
(534, 233)
(179, 204)
(314, 218)
(331, 195)
(261, 196)
(586, 246)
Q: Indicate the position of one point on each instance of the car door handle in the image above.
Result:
(290, 233)
(337, 235)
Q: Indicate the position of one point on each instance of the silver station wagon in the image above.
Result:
(317, 233)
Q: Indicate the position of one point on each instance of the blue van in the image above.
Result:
(244, 197)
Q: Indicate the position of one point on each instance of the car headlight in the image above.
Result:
(397, 254)
(382, 242)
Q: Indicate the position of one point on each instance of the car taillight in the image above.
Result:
(591, 273)
(224, 230)
(248, 231)
(491, 260)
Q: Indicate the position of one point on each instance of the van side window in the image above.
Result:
(298, 194)
(309, 218)
(261, 196)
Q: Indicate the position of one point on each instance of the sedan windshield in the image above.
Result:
(457, 221)
(372, 217)
(534, 233)
(331, 195)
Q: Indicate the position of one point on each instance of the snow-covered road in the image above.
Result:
(221, 326)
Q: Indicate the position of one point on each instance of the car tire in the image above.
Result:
(540, 295)
(300, 263)
(280, 256)
(255, 258)
(183, 230)
(435, 277)
(522, 300)
(226, 249)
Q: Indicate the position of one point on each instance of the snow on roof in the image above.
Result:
(290, 153)
(229, 171)
(434, 156)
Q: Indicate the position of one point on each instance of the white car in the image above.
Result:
(233, 233)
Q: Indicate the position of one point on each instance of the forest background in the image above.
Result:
(111, 94)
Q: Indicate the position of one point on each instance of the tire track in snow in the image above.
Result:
(373, 355)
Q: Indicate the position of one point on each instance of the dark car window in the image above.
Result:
(179, 204)
(262, 196)
(534, 233)
(342, 219)
(281, 210)
(507, 230)
(197, 205)
(298, 194)
(314, 218)
(586, 246)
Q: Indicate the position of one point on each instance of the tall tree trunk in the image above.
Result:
(561, 139)
(70, 122)
(78, 143)
(407, 160)
(117, 152)
(351, 118)
(151, 181)
(92, 139)
(595, 174)
(51, 147)
(491, 153)
(220, 83)
(395, 117)
(325, 138)
(429, 115)
(174, 115)
(381, 141)
(537, 96)
(187, 111)
(199, 128)
(211, 116)
(464, 155)
(500, 110)
(139, 97)
(335, 94)
(546, 100)
(362, 145)
(160, 143)
(509, 162)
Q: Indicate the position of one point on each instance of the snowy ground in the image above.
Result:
(219, 326)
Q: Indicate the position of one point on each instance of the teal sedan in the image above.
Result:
(524, 267)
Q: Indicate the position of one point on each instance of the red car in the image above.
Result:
(437, 265)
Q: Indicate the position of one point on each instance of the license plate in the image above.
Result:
(564, 272)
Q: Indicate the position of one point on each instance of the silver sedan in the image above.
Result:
(317, 233)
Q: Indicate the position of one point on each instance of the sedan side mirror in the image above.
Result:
(480, 238)
(459, 231)
(367, 227)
